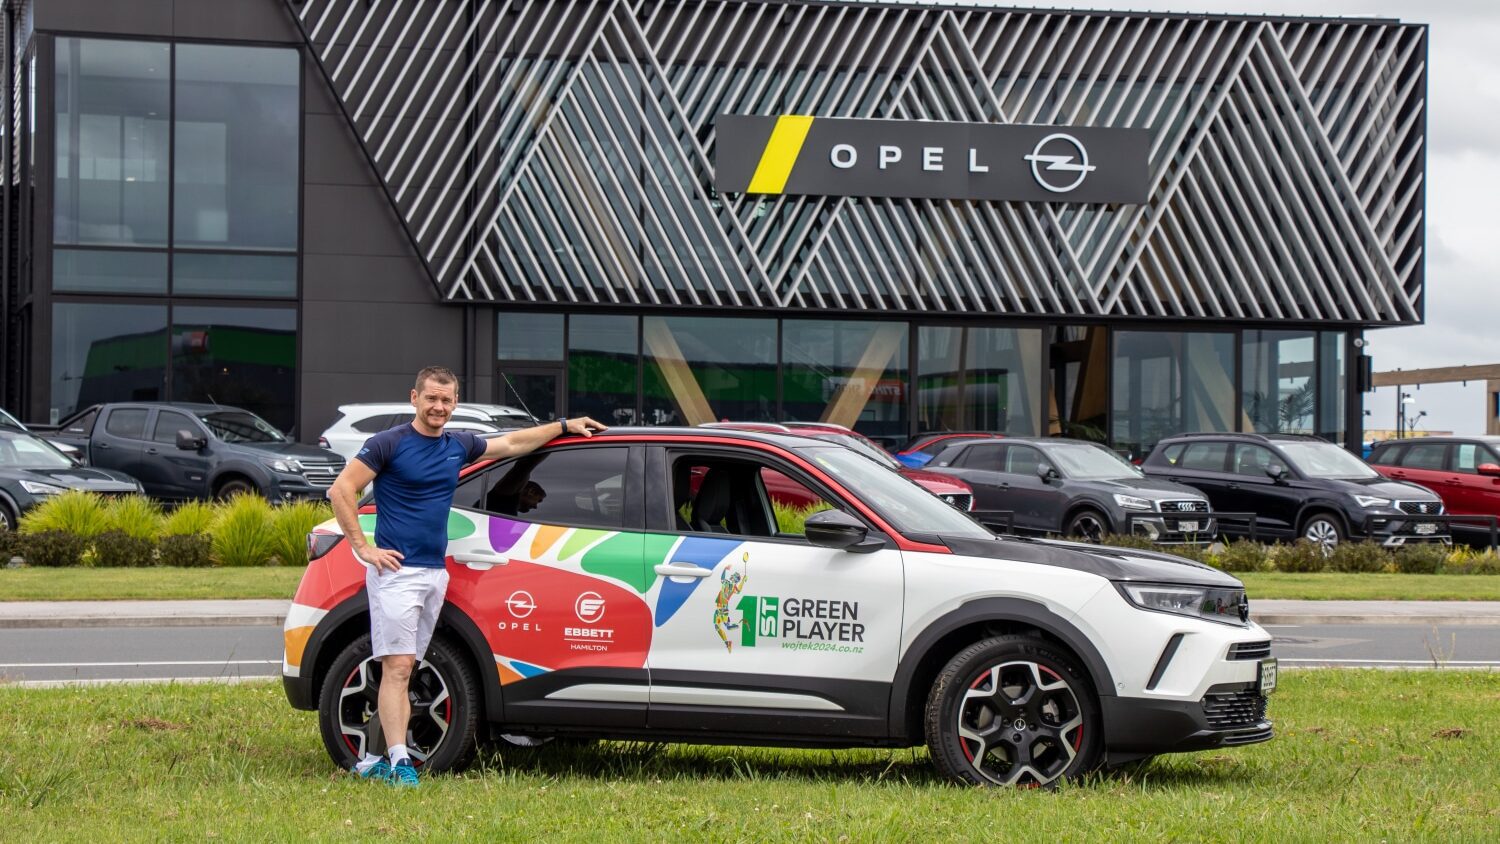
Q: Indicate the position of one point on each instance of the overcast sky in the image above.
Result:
(1463, 192)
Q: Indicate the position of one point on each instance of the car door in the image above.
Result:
(1253, 490)
(1426, 463)
(758, 631)
(119, 443)
(980, 466)
(545, 556)
(1473, 493)
(1039, 505)
(175, 472)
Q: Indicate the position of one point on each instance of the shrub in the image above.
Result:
(190, 519)
(118, 549)
(793, 519)
(1470, 561)
(135, 516)
(290, 527)
(1359, 557)
(53, 548)
(1194, 552)
(1421, 559)
(82, 514)
(1300, 556)
(242, 533)
(1126, 540)
(190, 551)
(10, 545)
(1241, 555)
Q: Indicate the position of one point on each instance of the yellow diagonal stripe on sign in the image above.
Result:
(780, 154)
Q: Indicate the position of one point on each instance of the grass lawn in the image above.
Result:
(80, 584)
(1363, 755)
(1327, 586)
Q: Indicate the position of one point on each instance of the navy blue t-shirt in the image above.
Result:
(415, 477)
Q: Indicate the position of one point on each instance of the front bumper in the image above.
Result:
(1393, 530)
(1228, 715)
(1168, 529)
(296, 488)
(299, 692)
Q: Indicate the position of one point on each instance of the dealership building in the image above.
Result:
(896, 217)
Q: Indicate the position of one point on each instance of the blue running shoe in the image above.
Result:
(403, 775)
(380, 771)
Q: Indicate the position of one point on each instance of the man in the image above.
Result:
(415, 469)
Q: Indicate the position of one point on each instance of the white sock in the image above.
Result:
(366, 763)
(398, 754)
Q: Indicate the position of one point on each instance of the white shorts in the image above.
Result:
(404, 607)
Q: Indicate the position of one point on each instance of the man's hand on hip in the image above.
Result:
(383, 559)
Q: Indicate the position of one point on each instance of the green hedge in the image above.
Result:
(85, 529)
(1302, 556)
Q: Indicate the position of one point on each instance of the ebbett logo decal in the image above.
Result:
(589, 607)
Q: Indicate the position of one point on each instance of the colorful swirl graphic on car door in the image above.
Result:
(550, 598)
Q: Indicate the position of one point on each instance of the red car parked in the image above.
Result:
(1463, 471)
(951, 490)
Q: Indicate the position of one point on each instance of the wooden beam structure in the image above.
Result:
(1438, 375)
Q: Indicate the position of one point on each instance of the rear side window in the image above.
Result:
(374, 424)
(985, 457)
(1205, 457)
(1431, 456)
(1173, 453)
(127, 422)
(581, 487)
(83, 424)
(1388, 456)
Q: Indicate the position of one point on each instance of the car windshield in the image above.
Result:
(1326, 460)
(857, 444)
(908, 507)
(1090, 462)
(238, 426)
(8, 421)
(20, 450)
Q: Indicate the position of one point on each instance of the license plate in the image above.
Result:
(1267, 676)
(1426, 528)
(1187, 527)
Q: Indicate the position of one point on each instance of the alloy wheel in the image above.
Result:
(1020, 723)
(431, 708)
(1322, 533)
(1088, 527)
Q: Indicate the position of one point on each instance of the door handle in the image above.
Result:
(102, 445)
(481, 560)
(683, 570)
(151, 451)
(1233, 486)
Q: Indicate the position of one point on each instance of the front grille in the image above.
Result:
(1188, 506)
(962, 500)
(1248, 737)
(1227, 710)
(1421, 508)
(320, 474)
(1250, 650)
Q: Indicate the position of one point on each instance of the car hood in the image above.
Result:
(937, 483)
(1383, 487)
(1154, 489)
(304, 453)
(75, 477)
(1124, 564)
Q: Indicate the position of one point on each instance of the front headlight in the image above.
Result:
(1130, 502)
(38, 488)
(1368, 501)
(1227, 606)
(284, 465)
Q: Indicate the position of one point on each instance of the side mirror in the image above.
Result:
(1277, 472)
(1489, 469)
(1045, 472)
(187, 442)
(837, 529)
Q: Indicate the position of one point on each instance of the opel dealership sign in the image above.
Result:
(833, 156)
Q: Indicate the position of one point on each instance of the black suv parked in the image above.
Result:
(1298, 486)
(1072, 487)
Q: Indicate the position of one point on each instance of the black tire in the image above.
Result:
(1087, 525)
(8, 520)
(1323, 529)
(444, 730)
(235, 486)
(1013, 710)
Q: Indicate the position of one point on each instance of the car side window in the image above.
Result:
(127, 422)
(1388, 456)
(1205, 457)
(1431, 456)
(1252, 460)
(1173, 453)
(987, 457)
(582, 487)
(168, 423)
(1467, 457)
(374, 424)
(740, 497)
(1022, 460)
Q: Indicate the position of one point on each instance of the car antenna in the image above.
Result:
(211, 399)
(517, 394)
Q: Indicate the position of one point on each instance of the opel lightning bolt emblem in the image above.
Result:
(1062, 154)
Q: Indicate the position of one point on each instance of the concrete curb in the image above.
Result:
(1301, 619)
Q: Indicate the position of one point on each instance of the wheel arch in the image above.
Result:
(235, 472)
(11, 506)
(1320, 507)
(976, 620)
(1083, 504)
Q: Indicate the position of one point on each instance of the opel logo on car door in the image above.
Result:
(1060, 163)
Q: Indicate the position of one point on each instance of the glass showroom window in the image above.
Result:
(703, 369)
(103, 353)
(850, 373)
(1279, 391)
(1170, 383)
(986, 379)
(243, 357)
(603, 367)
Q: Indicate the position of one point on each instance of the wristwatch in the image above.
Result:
(563, 421)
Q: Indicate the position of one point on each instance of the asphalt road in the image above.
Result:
(72, 654)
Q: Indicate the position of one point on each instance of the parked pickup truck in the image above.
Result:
(180, 451)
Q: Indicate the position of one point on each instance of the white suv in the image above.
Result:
(358, 422)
